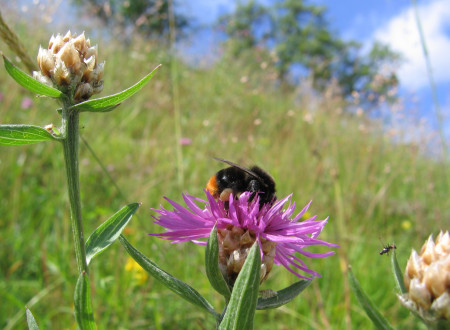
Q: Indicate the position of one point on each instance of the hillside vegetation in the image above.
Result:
(371, 188)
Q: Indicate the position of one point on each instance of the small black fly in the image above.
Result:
(387, 249)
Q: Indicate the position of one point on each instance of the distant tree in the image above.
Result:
(299, 35)
(371, 77)
(242, 26)
(150, 17)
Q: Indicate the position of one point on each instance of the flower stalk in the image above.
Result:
(70, 129)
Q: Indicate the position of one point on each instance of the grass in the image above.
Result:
(369, 186)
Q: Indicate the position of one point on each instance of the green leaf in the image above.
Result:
(372, 312)
(109, 231)
(212, 266)
(83, 306)
(32, 325)
(283, 296)
(29, 82)
(241, 309)
(174, 284)
(397, 273)
(15, 135)
(108, 103)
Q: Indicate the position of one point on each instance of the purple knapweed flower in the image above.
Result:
(279, 234)
(26, 103)
(185, 141)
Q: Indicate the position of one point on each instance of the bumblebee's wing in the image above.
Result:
(246, 170)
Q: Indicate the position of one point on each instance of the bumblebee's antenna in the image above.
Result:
(246, 170)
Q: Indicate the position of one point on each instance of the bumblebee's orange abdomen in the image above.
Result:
(212, 187)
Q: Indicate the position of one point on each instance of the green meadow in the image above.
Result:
(374, 189)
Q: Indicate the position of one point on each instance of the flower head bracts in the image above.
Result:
(427, 281)
(70, 64)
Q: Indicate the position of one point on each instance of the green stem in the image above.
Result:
(220, 318)
(175, 96)
(70, 122)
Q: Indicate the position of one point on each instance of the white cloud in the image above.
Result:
(401, 33)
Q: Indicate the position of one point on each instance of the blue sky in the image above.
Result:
(392, 22)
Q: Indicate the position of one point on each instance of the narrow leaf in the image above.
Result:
(15, 135)
(32, 325)
(180, 288)
(212, 266)
(108, 103)
(372, 312)
(397, 273)
(29, 82)
(109, 231)
(241, 309)
(83, 306)
(283, 296)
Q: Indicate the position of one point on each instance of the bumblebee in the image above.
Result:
(236, 179)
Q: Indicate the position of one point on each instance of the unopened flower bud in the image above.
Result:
(427, 280)
(70, 64)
